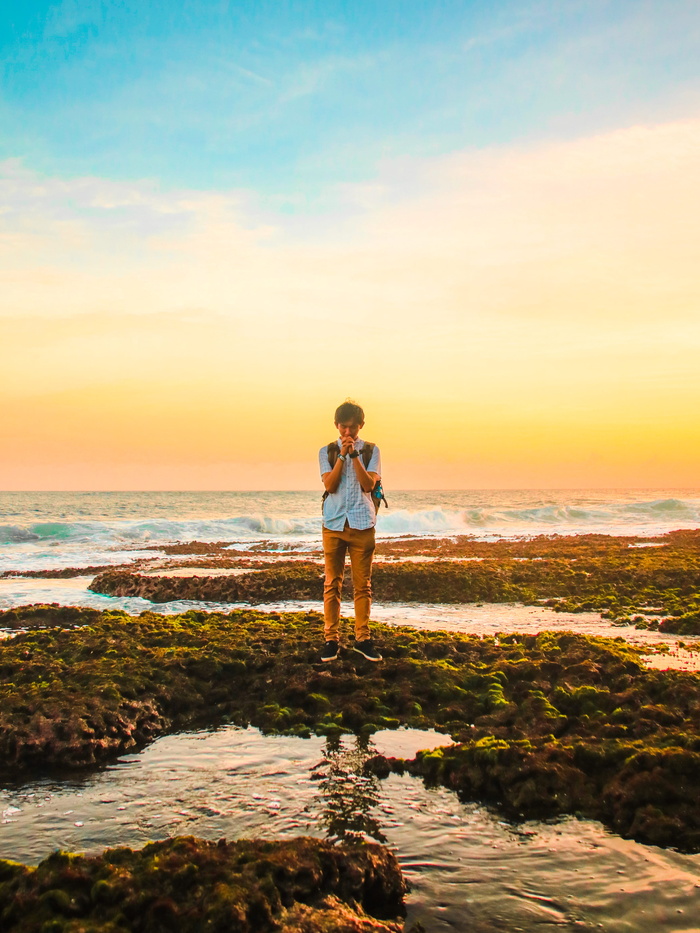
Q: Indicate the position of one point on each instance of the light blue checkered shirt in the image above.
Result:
(349, 503)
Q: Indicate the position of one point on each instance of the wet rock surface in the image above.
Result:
(62, 573)
(299, 581)
(544, 724)
(186, 885)
(620, 576)
(647, 794)
(42, 615)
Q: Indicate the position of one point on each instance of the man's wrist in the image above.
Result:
(342, 457)
(354, 455)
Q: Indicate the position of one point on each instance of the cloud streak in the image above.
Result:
(604, 226)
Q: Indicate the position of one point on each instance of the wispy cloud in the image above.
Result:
(311, 78)
(601, 228)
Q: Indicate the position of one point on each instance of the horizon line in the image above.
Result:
(394, 491)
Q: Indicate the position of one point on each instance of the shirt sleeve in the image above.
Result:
(375, 462)
(323, 461)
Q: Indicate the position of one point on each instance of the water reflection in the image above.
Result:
(348, 795)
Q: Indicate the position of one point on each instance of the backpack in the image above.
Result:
(366, 454)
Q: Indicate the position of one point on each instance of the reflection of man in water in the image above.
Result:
(349, 517)
(348, 793)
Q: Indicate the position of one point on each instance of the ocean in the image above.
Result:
(54, 530)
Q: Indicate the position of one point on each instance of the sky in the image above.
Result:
(220, 219)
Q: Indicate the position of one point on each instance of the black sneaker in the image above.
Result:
(367, 650)
(330, 651)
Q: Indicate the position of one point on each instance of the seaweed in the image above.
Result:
(185, 885)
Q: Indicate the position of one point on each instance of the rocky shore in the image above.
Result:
(543, 724)
(649, 583)
(187, 885)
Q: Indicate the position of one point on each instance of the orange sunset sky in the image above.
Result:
(499, 260)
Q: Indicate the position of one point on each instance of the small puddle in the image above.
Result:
(676, 658)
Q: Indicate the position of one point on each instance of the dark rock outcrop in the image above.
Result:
(594, 572)
(187, 885)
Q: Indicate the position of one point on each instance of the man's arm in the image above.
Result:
(332, 480)
(368, 476)
(365, 479)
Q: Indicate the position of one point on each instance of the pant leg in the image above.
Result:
(361, 546)
(334, 547)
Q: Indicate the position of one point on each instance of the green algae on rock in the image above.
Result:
(685, 620)
(528, 711)
(186, 885)
(298, 581)
(592, 572)
(46, 615)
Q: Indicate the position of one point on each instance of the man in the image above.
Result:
(348, 525)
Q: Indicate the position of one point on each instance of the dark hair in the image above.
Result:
(349, 412)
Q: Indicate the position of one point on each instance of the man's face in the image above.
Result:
(349, 428)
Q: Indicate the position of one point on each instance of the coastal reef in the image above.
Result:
(544, 724)
(51, 615)
(187, 885)
(291, 581)
(652, 578)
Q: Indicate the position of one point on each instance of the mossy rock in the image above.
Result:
(577, 574)
(185, 885)
(65, 701)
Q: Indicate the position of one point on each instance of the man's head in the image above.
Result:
(349, 418)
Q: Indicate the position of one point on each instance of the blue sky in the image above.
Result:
(289, 99)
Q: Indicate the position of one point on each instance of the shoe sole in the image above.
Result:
(366, 655)
(334, 658)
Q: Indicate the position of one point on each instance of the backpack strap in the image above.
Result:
(377, 491)
(332, 452)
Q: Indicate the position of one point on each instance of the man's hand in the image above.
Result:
(347, 446)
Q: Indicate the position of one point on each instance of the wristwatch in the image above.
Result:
(342, 457)
(354, 454)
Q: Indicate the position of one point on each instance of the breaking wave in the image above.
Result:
(63, 530)
(654, 517)
(611, 517)
(162, 531)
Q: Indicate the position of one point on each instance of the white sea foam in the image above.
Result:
(652, 517)
(45, 530)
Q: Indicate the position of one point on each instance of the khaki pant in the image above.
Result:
(360, 544)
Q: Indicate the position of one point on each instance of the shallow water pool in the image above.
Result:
(468, 868)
